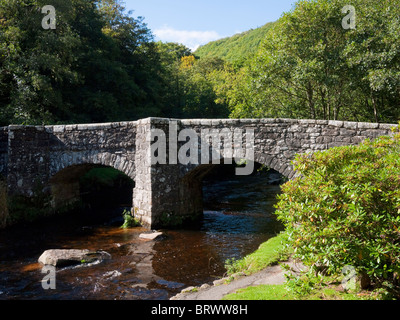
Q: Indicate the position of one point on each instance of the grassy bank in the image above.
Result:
(277, 251)
(269, 253)
(281, 292)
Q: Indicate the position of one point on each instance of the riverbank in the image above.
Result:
(261, 276)
(258, 268)
(227, 288)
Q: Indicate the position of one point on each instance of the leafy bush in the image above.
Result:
(129, 220)
(344, 209)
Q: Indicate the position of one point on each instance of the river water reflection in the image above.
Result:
(238, 217)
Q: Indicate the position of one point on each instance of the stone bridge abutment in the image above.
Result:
(168, 193)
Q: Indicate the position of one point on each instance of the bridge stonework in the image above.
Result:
(53, 157)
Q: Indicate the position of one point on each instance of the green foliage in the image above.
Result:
(301, 290)
(263, 292)
(99, 64)
(104, 176)
(236, 49)
(22, 209)
(281, 292)
(269, 253)
(129, 220)
(305, 283)
(309, 66)
(263, 169)
(345, 209)
(189, 83)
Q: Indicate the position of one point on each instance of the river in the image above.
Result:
(238, 217)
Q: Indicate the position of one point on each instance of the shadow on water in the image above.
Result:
(238, 217)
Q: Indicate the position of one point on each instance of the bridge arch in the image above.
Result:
(284, 168)
(94, 185)
(185, 194)
(118, 161)
(199, 171)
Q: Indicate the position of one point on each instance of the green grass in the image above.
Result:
(280, 292)
(263, 292)
(269, 253)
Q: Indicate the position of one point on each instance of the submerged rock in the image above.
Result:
(68, 257)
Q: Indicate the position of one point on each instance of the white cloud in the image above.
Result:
(191, 39)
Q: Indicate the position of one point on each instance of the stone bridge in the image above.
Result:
(52, 158)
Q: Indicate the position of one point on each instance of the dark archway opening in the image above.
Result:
(97, 193)
(241, 204)
(218, 187)
(3, 202)
(105, 188)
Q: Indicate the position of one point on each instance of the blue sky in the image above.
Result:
(195, 23)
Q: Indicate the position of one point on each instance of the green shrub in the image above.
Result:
(129, 220)
(345, 209)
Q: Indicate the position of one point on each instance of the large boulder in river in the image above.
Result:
(68, 257)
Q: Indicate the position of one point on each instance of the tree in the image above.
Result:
(172, 81)
(34, 64)
(189, 83)
(99, 64)
(200, 99)
(374, 60)
(309, 66)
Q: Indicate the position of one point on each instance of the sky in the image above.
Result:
(197, 22)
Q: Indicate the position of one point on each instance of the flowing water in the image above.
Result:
(238, 217)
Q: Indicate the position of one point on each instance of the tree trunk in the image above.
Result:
(375, 108)
(311, 104)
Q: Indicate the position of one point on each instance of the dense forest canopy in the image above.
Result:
(310, 66)
(102, 64)
(236, 49)
(99, 64)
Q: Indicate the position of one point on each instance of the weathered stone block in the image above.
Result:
(347, 132)
(366, 125)
(330, 132)
(267, 121)
(307, 122)
(313, 130)
(58, 129)
(350, 125)
(322, 140)
(388, 127)
(374, 133)
(295, 128)
(338, 124)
